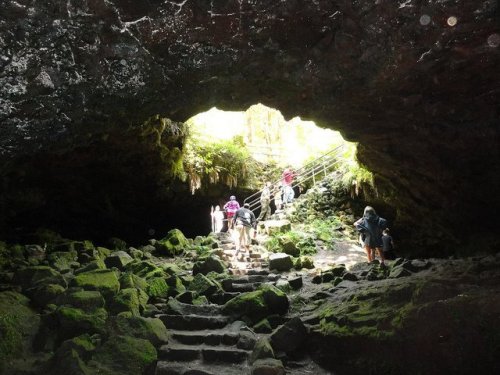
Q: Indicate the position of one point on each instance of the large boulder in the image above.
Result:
(105, 281)
(280, 262)
(202, 285)
(256, 305)
(73, 321)
(118, 259)
(19, 325)
(86, 300)
(289, 336)
(31, 276)
(209, 264)
(174, 243)
(124, 355)
(151, 329)
(267, 366)
(132, 300)
(277, 226)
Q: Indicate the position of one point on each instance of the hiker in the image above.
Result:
(265, 201)
(278, 201)
(217, 219)
(287, 181)
(387, 244)
(244, 219)
(371, 226)
(231, 207)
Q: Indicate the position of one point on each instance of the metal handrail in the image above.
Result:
(309, 171)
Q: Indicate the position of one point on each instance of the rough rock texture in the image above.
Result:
(415, 82)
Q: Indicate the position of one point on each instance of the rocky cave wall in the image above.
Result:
(419, 90)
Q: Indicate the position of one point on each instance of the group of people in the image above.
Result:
(373, 229)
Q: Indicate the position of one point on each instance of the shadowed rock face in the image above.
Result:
(419, 90)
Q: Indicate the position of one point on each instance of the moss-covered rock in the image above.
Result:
(131, 299)
(124, 355)
(145, 269)
(263, 327)
(70, 357)
(105, 281)
(86, 300)
(118, 259)
(157, 287)
(203, 285)
(130, 280)
(44, 294)
(151, 329)
(280, 262)
(97, 264)
(174, 243)
(73, 321)
(209, 264)
(289, 247)
(262, 349)
(38, 275)
(18, 327)
(256, 305)
(176, 286)
(63, 260)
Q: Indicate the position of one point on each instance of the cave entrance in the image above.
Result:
(234, 153)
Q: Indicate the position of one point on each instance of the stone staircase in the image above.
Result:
(203, 340)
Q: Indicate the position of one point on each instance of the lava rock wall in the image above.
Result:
(415, 82)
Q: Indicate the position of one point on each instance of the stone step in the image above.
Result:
(193, 322)
(179, 308)
(258, 272)
(182, 352)
(240, 288)
(208, 337)
(199, 368)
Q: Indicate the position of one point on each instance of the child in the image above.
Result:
(388, 245)
(371, 226)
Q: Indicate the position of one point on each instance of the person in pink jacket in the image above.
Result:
(231, 207)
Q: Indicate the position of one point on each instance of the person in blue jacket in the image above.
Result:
(371, 226)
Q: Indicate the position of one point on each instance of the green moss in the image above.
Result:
(151, 329)
(174, 243)
(74, 322)
(62, 260)
(104, 281)
(203, 285)
(131, 299)
(157, 287)
(85, 300)
(130, 280)
(124, 355)
(18, 326)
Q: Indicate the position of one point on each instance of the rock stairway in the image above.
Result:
(203, 340)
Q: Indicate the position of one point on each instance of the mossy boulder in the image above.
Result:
(130, 280)
(262, 349)
(70, 357)
(131, 299)
(105, 281)
(19, 325)
(157, 287)
(289, 247)
(209, 264)
(174, 243)
(255, 306)
(38, 275)
(73, 321)
(151, 329)
(97, 264)
(124, 355)
(203, 285)
(44, 294)
(175, 285)
(145, 269)
(303, 262)
(267, 366)
(63, 261)
(87, 300)
(118, 259)
(277, 226)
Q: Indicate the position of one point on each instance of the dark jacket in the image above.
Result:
(245, 216)
(371, 228)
